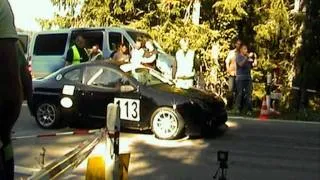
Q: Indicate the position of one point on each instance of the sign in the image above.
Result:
(129, 108)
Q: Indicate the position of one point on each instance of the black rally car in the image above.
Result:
(147, 100)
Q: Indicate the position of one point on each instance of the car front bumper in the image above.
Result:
(200, 121)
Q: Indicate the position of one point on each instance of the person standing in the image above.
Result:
(121, 56)
(137, 52)
(77, 53)
(150, 55)
(11, 91)
(244, 63)
(185, 65)
(96, 53)
(231, 68)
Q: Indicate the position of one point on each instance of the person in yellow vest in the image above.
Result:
(77, 53)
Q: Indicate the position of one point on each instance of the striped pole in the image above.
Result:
(69, 133)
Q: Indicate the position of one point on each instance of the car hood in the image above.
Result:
(191, 93)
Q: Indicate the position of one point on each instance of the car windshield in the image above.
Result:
(145, 75)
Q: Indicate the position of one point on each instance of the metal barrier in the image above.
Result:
(68, 133)
(116, 169)
(72, 159)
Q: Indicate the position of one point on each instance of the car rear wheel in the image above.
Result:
(167, 123)
(47, 115)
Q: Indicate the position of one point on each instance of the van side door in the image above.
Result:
(115, 38)
(93, 37)
(47, 53)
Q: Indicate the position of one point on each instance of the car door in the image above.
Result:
(101, 86)
(72, 88)
(131, 104)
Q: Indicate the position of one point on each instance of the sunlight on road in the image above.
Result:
(232, 124)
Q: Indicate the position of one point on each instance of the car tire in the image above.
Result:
(47, 115)
(160, 126)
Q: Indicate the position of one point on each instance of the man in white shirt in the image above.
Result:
(231, 68)
(185, 65)
(150, 55)
(137, 53)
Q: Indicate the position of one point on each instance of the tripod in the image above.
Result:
(221, 171)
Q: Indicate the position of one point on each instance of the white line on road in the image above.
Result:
(307, 148)
(272, 120)
(25, 170)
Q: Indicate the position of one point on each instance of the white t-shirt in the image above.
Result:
(7, 27)
(185, 63)
(136, 56)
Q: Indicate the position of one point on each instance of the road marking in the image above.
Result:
(307, 148)
(273, 120)
(25, 170)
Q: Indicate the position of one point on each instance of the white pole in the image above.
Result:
(196, 12)
(113, 129)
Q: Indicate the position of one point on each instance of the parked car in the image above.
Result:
(48, 49)
(147, 100)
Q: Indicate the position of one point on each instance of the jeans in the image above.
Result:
(232, 91)
(244, 98)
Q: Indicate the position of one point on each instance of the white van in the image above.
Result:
(24, 40)
(48, 50)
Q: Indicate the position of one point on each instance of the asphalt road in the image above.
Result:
(261, 150)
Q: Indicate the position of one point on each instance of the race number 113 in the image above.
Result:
(129, 108)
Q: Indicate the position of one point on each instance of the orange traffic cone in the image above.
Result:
(264, 113)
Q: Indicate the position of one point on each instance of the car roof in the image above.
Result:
(115, 28)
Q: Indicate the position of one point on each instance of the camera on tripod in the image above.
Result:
(222, 157)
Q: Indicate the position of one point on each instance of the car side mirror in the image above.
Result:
(127, 88)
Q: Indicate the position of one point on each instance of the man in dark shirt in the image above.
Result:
(77, 53)
(244, 62)
(11, 88)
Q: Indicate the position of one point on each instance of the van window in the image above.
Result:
(50, 44)
(116, 39)
(92, 38)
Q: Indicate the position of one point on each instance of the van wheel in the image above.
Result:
(47, 115)
(167, 123)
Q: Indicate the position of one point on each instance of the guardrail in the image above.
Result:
(69, 161)
(117, 166)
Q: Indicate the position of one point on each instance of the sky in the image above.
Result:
(26, 12)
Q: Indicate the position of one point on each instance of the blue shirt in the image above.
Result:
(244, 72)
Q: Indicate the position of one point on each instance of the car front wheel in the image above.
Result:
(167, 123)
(47, 115)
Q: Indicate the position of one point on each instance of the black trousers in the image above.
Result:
(10, 104)
(244, 95)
